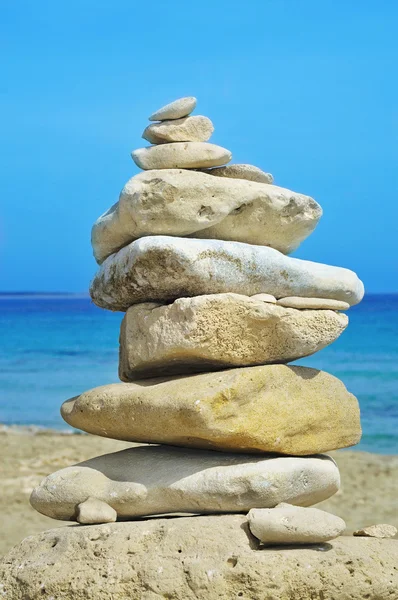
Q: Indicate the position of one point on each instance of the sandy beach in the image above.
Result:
(368, 493)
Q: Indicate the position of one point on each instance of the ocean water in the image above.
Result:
(54, 348)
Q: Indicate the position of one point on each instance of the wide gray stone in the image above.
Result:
(193, 558)
(165, 268)
(190, 203)
(150, 480)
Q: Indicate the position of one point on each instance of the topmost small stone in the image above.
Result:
(175, 110)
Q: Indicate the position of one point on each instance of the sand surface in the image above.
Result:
(369, 492)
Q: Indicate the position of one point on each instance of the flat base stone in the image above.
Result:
(190, 558)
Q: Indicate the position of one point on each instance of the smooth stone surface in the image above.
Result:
(93, 511)
(189, 203)
(314, 303)
(164, 268)
(150, 480)
(175, 110)
(194, 558)
(242, 171)
(288, 524)
(377, 531)
(289, 410)
(181, 155)
(264, 298)
(188, 129)
(218, 331)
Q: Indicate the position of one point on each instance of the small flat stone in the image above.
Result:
(303, 411)
(377, 531)
(287, 524)
(264, 298)
(93, 511)
(219, 331)
(242, 171)
(188, 129)
(175, 110)
(314, 303)
(181, 155)
(149, 480)
(165, 268)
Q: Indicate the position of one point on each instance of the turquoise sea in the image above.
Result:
(54, 347)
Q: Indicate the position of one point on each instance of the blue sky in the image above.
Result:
(304, 89)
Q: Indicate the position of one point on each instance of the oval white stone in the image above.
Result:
(181, 155)
(175, 110)
(287, 524)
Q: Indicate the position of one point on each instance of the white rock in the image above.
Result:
(93, 511)
(242, 171)
(377, 531)
(182, 202)
(264, 298)
(287, 524)
(181, 155)
(165, 268)
(149, 480)
(219, 331)
(313, 303)
(188, 129)
(175, 110)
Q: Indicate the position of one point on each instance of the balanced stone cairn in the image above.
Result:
(196, 253)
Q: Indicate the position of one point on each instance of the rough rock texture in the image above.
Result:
(148, 480)
(248, 172)
(314, 303)
(93, 511)
(183, 202)
(175, 110)
(188, 129)
(164, 268)
(377, 531)
(181, 155)
(194, 558)
(288, 524)
(218, 331)
(290, 410)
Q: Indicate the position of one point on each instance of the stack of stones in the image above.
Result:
(196, 254)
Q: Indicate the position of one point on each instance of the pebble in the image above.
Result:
(188, 129)
(175, 110)
(314, 303)
(377, 531)
(242, 171)
(181, 155)
(287, 524)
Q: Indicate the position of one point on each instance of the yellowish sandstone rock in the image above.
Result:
(290, 410)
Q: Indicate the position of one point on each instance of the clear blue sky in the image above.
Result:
(305, 89)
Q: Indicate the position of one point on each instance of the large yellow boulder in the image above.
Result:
(274, 408)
